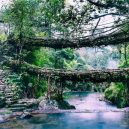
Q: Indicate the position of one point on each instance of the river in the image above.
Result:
(93, 114)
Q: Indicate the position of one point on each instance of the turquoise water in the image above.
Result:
(90, 101)
(107, 120)
(83, 101)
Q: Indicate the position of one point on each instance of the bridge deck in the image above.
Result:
(111, 39)
(109, 75)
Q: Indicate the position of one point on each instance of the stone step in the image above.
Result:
(2, 88)
(13, 86)
(1, 82)
(1, 77)
(13, 89)
(1, 85)
(10, 99)
(21, 102)
(2, 73)
(9, 89)
(16, 109)
(9, 93)
(9, 96)
(1, 97)
(2, 92)
(9, 102)
(18, 105)
(6, 92)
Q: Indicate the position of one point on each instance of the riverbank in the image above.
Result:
(106, 120)
(84, 102)
(10, 116)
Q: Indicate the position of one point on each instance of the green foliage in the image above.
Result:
(14, 80)
(3, 37)
(33, 86)
(70, 65)
(30, 18)
(41, 57)
(91, 59)
(99, 61)
(24, 17)
(124, 60)
(117, 93)
(64, 58)
(81, 63)
(52, 8)
(20, 14)
(44, 57)
(27, 85)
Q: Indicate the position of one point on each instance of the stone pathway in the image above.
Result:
(8, 94)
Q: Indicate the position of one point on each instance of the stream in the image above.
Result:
(90, 101)
(99, 115)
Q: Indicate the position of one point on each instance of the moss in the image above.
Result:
(62, 104)
(2, 100)
(117, 93)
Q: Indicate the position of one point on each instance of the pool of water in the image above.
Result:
(104, 118)
(90, 101)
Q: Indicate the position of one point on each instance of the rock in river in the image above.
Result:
(48, 105)
(26, 115)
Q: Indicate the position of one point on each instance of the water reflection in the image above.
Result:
(94, 120)
(107, 120)
(89, 101)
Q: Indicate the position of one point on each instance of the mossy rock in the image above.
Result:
(62, 104)
(117, 93)
(2, 103)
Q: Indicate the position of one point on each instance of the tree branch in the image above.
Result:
(108, 5)
(111, 75)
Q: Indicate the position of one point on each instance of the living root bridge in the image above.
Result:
(113, 75)
(89, 41)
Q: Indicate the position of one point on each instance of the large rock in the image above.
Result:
(51, 105)
(26, 115)
(47, 105)
(2, 119)
(4, 115)
(2, 102)
(30, 103)
(64, 105)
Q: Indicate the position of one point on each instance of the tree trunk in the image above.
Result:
(49, 88)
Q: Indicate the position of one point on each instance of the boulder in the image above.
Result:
(51, 105)
(30, 103)
(46, 104)
(2, 101)
(2, 119)
(64, 105)
(26, 115)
